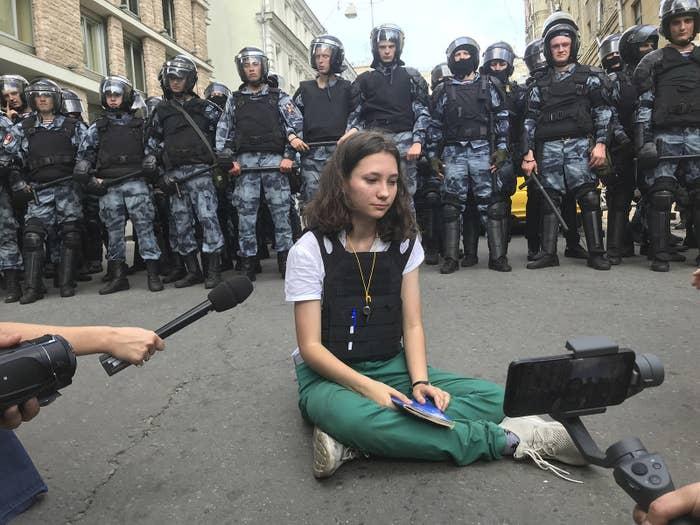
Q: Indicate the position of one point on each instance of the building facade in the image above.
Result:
(78, 42)
(283, 29)
(596, 19)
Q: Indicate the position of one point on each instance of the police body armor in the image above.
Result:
(566, 107)
(677, 97)
(258, 127)
(51, 151)
(325, 110)
(121, 147)
(182, 144)
(388, 100)
(377, 336)
(627, 104)
(467, 111)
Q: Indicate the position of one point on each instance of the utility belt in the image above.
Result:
(388, 124)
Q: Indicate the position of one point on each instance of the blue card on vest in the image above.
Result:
(427, 411)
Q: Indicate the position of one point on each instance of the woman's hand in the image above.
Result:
(381, 394)
(12, 417)
(439, 397)
(131, 344)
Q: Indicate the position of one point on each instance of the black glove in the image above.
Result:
(648, 156)
(21, 195)
(166, 183)
(225, 159)
(149, 165)
(93, 187)
(81, 171)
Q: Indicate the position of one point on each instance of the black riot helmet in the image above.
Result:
(117, 85)
(499, 51)
(534, 57)
(217, 93)
(180, 66)
(561, 24)
(334, 46)
(439, 74)
(251, 55)
(71, 104)
(608, 46)
(469, 44)
(45, 88)
(386, 33)
(671, 9)
(10, 83)
(632, 38)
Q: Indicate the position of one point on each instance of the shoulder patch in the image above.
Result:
(9, 139)
(289, 108)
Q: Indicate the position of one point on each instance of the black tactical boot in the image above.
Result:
(593, 228)
(153, 278)
(471, 227)
(659, 218)
(282, 262)
(14, 291)
(213, 270)
(118, 270)
(575, 251)
(497, 235)
(33, 269)
(66, 271)
(450, 264)
(548, 256)
(616, 235)
(248, 267)
(178, 270)
(194, 272)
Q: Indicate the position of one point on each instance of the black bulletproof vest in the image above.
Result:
(183, 146)
(121, 147)
(258, 126)
(566, 107)
(467, 111)
(325, 110)
(628, 101)
(51, 151)
(388, 102)
(515, 103)
(677, 95)
(379, 336)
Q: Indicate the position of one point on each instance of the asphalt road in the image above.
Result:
(209, 432)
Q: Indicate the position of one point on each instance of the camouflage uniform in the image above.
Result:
(246, 194)
(10, 256)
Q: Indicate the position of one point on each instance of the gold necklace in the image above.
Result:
(366, 309)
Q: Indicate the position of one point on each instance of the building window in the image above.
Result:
(637, 12)
(94, 50)
(16, 19)
(131, 5)
(133, 58)
(169, 17)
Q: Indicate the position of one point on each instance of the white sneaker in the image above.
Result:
(542, 440)
(329, 454)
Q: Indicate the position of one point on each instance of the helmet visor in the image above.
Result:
(113, 88)
(499, 53)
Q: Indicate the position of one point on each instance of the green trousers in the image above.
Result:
(476, 406)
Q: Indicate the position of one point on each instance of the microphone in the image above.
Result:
(222, 297)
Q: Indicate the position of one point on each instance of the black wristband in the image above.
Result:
(413, 385)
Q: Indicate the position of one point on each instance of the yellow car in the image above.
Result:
(519, 201)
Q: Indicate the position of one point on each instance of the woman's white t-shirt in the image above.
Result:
(305, 271)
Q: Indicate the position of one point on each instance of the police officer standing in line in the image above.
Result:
(10, 256)
(114, 144)
(181, 137)
(668, 121)
(14, 100)
(620, 185)
(568, 109)
(45, 144)
(325, 103)
(261, 126)
(393, 98)
(469, 116)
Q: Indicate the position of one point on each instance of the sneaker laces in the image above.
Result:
(540, 445)
(546, 465)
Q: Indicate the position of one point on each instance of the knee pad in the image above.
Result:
(661, 200)
(589, 200)
(498, 210)
(664, 184)
(71, 234)
(450, 212)
(34, 235)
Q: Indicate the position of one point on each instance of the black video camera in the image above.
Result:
(36, 368)
(598, 374)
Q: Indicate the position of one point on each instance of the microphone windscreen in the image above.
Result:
(229, 293)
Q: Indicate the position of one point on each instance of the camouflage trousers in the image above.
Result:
(312, 164)
(563, 165)
(467, 170)
(246, 198)
(132, 200)
(682, 141)
(57, 205)
(198, 200)
(10, 257)
(404, 141)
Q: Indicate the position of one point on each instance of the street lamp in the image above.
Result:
(351, 10)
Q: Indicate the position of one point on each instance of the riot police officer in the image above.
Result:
(261, 126)
(668, 121)
(114, 145)
(45, 143)
(181, 137)
(325, 103)
(567, 119)
(393, 98)
(10, 256)
(470, 123)
(14, 100)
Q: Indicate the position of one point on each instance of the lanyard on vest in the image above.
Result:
(196, 129)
